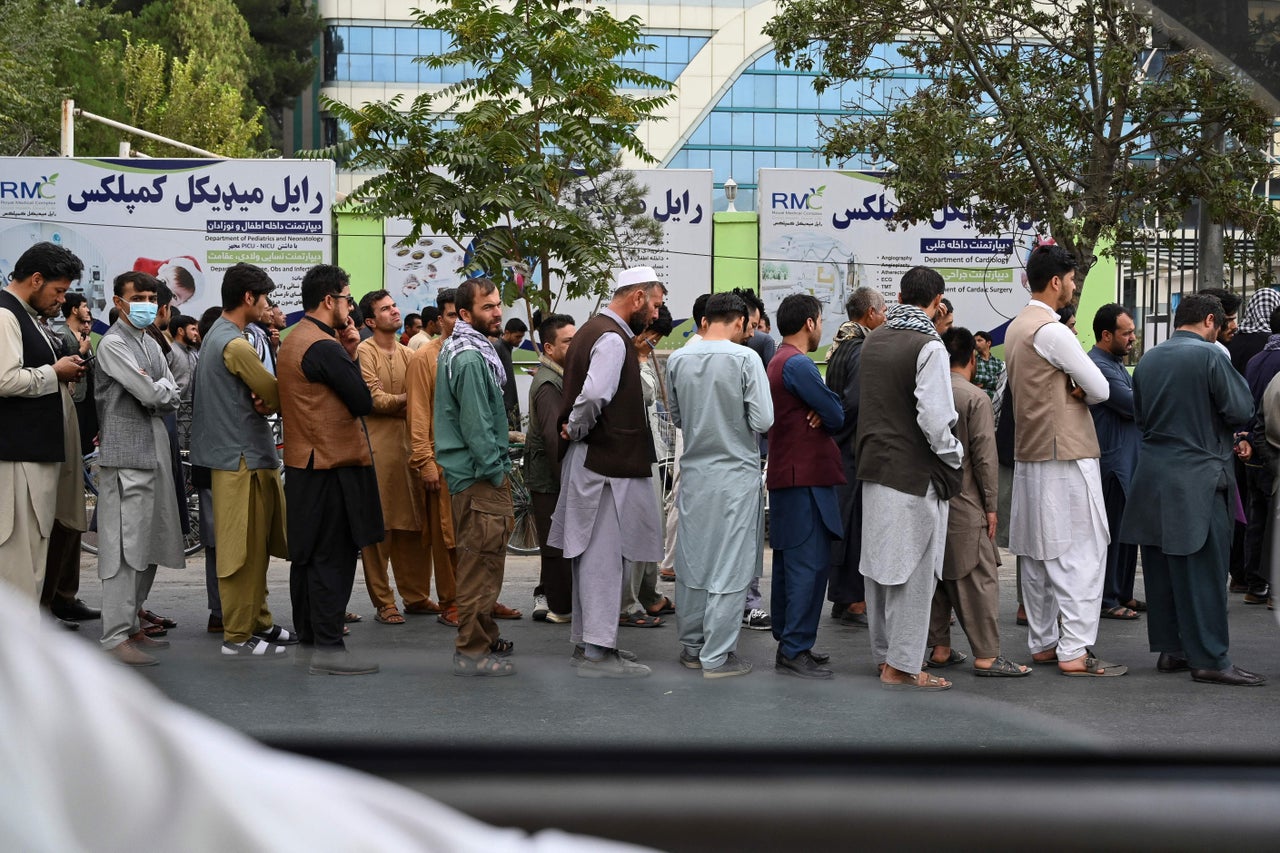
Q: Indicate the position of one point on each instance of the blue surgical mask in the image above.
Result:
(142, 314)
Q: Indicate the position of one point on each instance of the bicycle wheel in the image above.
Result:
(191, 502)
(524, 538)
(89, 539)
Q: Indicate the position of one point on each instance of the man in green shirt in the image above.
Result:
(472, 448)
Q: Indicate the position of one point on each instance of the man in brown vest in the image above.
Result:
(909, 465)
(1058, 524)
(330, 487)
(605, 484)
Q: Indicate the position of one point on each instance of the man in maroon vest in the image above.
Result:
(605, 476)
(804, 469)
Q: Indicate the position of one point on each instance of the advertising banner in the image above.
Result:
(679, 199)
(825, 233)
(184, 221)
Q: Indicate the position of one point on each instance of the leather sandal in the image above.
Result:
(389, 615)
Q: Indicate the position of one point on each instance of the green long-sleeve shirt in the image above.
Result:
(470, 422)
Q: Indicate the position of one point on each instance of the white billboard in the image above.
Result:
(680, 200)
(185, 221)
(825, 233)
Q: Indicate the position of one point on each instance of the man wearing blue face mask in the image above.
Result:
(138, 525)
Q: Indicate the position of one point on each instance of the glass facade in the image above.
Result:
(386, 54)
(770, 117)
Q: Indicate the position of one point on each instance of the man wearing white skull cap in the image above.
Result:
(605, 476)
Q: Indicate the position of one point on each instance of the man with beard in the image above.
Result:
(606, 512)
(1187, 400)
(330, 486)
(471, 443)
(32, 447)
(1058, 523)
(1118, 441)
(909, 464)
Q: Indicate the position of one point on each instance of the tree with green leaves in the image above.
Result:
(501, 160)
(1052, 111)
(283, 34)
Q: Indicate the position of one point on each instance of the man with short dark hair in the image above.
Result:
(1188, 400)
(330, 485)
(909, 464)
(553, 596)
(472, 447)
(512, 335)
(33, 418)
(438, 536)
(138, 523)
(990, 376)
(970, 584)
(1231, 303)
(865, 308)
(804, 473)
(606, 512)
(412, 325)
(184, 331)
(233, 440)
(1058, 523)
(1118, 442)
(719, 399)
(432, 324)
(384, 364)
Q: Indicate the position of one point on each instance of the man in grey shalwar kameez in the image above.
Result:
(909, 465)
(138, 526)
(605, 477)
(720, 400)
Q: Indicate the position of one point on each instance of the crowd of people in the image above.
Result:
(889, 481)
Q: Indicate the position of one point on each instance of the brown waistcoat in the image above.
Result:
(620, 444)
(318, 427)
(1051, 424)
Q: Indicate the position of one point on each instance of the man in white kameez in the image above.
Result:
(1058, 523)
(605, 511)
(32, 447)
(909, 465)
(720, 400)
(138, 526)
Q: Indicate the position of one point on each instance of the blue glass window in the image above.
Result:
(360, 39)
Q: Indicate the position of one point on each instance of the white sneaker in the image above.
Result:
(540, 608)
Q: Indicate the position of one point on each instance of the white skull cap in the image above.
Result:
(637, 275)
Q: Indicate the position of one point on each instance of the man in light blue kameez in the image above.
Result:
(720, 400)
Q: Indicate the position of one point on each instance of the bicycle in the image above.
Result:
(524, 537)
(191, 543)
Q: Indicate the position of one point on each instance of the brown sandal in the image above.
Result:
(389, 615)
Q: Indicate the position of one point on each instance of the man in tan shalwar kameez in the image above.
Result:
(437, 530)
(384, 363)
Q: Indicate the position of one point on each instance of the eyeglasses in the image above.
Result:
(351, 300)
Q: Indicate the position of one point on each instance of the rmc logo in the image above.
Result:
(811, 200)
(29, 190)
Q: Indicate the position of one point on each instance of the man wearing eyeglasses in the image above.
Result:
(330, 487)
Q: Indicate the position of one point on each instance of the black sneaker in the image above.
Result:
(756, 620)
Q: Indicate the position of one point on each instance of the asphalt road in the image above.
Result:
(416, 699)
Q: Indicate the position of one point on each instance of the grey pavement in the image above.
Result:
(416, 699)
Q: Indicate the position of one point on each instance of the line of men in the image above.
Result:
(925, 509)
